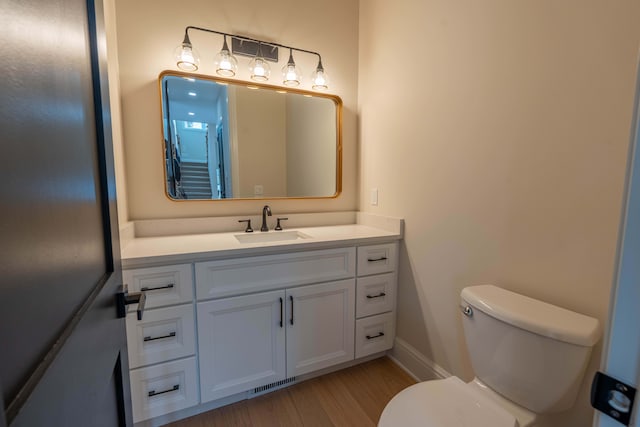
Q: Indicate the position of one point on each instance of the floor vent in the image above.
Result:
(272, 386)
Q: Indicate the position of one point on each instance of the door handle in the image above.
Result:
(124, 298)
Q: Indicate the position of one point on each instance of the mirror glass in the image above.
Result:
(226, 139)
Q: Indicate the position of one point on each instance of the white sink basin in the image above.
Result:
(270, 236)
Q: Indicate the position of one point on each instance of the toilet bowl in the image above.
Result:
(529, 358)
(448, 402)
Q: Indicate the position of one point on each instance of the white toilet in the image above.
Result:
(529, 358)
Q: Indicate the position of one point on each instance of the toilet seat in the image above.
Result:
(444, 403)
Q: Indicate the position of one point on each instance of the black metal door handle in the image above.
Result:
(124, 298)
(281, 312)
(383, 258)
(170, 335)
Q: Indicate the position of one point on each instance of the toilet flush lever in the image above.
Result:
(467, 311)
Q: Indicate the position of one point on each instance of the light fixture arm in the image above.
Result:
(260, 42)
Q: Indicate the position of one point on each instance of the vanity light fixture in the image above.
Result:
(186, 56)
(226, 64)
(319, 78)
(291, 73)
(258, 66)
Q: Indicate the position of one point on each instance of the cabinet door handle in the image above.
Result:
(281, 312)
(291, 299)
(381, 294)
(155, 393)
(380, 334)
(171, 334)
(157, 288)
(382, 258)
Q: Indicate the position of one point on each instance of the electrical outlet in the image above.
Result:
(258, 190)
(374, 197)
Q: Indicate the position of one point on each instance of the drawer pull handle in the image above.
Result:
(381, 294)
(171, 334)
(155, 393)
(281, 312)
(169, 286)
(382, 258)
(291, 299)
(380, 334)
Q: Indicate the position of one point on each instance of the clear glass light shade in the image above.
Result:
(187, 58)
(259, 69)
(226, 64)
(320, 79)
(291, 75)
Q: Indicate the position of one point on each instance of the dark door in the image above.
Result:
(63, 359)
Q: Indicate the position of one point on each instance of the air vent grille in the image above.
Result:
(272, 386)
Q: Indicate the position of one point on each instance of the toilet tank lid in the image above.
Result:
(533, 315)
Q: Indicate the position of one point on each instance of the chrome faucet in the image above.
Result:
(265, 211)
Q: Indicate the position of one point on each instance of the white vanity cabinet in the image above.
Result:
(253, 340)
(376, 298)
(161, 346)
(215, 329)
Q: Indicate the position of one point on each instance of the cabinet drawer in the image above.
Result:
(377, 259)
(374, 334)
(160, 389)
(162, 334)
(167, 285)
(375, 294)
(216, 279)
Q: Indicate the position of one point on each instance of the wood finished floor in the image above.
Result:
(354, 396)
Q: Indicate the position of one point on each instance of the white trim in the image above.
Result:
(416, 364)
(621, 352)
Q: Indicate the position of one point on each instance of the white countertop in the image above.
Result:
(150, 251)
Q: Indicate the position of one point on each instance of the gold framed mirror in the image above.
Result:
(228, 139)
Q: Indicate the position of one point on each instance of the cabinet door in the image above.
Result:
(241, 342)
(320, 326)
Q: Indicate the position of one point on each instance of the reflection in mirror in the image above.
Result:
(226, 140)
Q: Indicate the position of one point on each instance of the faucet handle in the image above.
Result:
(278, 226)
(248, 229)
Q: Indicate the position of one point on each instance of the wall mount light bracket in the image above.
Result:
(249, 48)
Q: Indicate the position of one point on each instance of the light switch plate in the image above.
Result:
(374, 197)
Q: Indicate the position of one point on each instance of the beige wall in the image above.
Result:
(499, 131)
(149, 30)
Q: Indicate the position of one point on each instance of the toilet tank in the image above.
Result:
(530, 352)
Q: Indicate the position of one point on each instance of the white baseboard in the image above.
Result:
(416, 364)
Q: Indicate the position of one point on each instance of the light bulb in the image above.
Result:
(291, 73)
(259, 69)
(319, 78)
(187, 58)
(225, 63)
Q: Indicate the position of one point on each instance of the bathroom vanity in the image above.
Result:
(232, 315)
